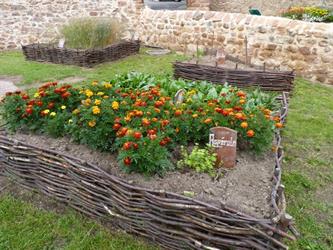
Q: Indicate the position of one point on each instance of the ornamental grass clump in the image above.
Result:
(143, 124)
(88, 33)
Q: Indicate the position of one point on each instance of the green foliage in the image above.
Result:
(135, 116)
(86, 33)
(201, 159)
(12, 63)
(23, 226)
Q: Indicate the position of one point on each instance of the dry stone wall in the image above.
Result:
(288, 44)
(28, 21)
(281, 43)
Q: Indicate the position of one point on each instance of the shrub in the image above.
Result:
(135, 116)
(85, 33)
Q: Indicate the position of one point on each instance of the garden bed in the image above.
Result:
(251, 195)
(136, 116)
(242, 77)
(84, 58)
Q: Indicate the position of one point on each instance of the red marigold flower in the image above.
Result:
(127, 145)
(116, 126)
(50, 105)
(137, 135)
(127, 161)
(66, 95)
(29, 111)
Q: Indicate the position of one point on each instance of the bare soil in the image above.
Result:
(247, 187)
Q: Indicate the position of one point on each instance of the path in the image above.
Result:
(7, 83)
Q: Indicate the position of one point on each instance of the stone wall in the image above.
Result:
(288, 44)
(28, 21)
(304, 47)
(267, 7)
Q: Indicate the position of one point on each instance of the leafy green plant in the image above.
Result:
(135, 116)
(86, 33)
(201, 159)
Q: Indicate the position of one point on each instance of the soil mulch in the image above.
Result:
(246, 188)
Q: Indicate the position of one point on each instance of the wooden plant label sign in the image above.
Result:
(179, 96)
(224, 140)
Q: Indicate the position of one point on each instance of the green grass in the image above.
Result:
(13, 63)
(22, 226)
(308, 162)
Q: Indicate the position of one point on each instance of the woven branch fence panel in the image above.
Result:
(173, 221)
(266, 80)
(84, 58)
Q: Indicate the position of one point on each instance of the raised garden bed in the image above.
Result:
(89, 184)
(84, 58)
(236, 73)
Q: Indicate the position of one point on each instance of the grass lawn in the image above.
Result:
(14, 64)
(308, 165)
(22, 226)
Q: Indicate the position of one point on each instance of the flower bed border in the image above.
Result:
(171, 220)
(266, 80)
(85, 58)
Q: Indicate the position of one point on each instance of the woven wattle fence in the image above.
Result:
(173, 221)
(266, 80)
(85, 58)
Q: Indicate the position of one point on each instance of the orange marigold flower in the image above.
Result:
(92, 124)
(278, 125)
(242, 101)
(208, 120)
(250, 133)
(178, 112)
(244, 125)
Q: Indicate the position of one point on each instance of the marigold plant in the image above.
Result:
(137, 116)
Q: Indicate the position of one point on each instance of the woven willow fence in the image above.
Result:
(85, 58)
(171, 220)
(266, 80)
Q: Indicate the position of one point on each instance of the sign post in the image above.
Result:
(224, 140)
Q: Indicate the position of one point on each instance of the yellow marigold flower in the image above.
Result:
(105, 97)
(100, 93)
(97, 102)
(63, 107)
(36, 95)
(89, 93)
(46, 111)
(92, 123)
(76, 111)
(96, 110)
(192, 92)
(53, 114)
(94, 83)
(195, 115)
(86, 102)
(115, 105)
(189, 100)
(107, 85)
